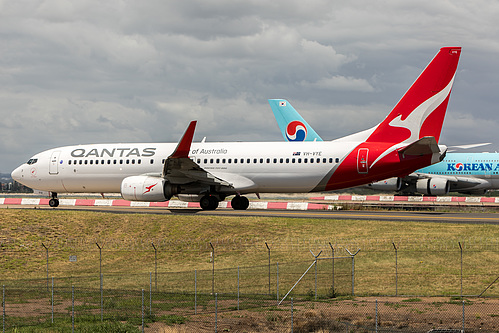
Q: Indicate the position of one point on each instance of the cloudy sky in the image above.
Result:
(91, 71)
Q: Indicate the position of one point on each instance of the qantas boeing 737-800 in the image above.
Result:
(406, 140)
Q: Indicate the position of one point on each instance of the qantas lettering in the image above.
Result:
(115, 152)
(472, 167)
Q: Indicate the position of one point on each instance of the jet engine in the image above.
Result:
(433, 186)
(390, 184)
(147, 188)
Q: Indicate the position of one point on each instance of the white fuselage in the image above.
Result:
(250, 167)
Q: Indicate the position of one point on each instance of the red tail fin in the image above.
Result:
(421, 110)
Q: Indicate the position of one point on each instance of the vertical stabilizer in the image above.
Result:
(292, 125)
(421, 111)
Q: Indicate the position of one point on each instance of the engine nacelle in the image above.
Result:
(390, 184)
(147, 188)
(433, 186)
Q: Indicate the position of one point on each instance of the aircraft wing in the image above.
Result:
(180, 169)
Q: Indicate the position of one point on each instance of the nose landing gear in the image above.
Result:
(54, 202)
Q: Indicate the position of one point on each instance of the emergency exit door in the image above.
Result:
(362, 166)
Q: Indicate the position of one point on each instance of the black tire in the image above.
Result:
(236, 202)
(244, 203)
(54, 203)
(208, 202)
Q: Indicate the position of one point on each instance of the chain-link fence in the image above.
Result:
(28, 304)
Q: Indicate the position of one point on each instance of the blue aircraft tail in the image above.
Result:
(293, 127)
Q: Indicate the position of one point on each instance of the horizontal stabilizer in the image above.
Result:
(424, 146)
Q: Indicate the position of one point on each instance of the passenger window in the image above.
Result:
(261, 160)
(311, 160)
(152, 161)
(268, 160)
(287, 160)
(292, 160)
(91, 161)
(139, 161)
(299, 160)
(218, 160)
(235, 161)
(121, 161)
(69, 162)
(281, 160)
(305, 160)
(133, 161)
(275, 160)
(324, 160)
(248, 161)
(337, 160)
(223, 161)
(205, 160)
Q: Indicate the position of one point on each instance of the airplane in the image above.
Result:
(467, 173)
(406, 140)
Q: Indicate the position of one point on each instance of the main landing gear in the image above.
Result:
(210, 202)
(54, 202)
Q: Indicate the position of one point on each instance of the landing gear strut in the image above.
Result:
(209, 202)
(239, 203)
(54, 202)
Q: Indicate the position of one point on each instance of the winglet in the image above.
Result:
(184, 145)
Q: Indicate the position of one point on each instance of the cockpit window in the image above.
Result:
(32, 161)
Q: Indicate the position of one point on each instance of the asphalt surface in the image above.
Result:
(477, 217)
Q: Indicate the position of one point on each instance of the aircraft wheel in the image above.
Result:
(209, 202)
(239, 203)
(53, 202)
(244, 203)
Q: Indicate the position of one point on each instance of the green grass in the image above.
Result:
(428, 253)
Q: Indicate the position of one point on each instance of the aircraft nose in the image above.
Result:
(17, 174)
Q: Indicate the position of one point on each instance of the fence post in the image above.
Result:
(291, 314)
(376, 315)
(463, 317)
(155, 267)
(52, 300)
(100, 259)
(461, 249)
(332, 286)
(237, 288)
(195, 291)
(142, 310)
(213, 269)
(268, 248)
(101, 297)
(47, 255)
(277, 265)
(150, 293)
(396, 269)
(353, 269)
(315, 264)
(216, 312)
(3, 306)
(72, 309)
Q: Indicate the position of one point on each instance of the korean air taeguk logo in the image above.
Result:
(296, 131)
(459, 167)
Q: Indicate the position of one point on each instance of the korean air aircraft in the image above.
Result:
(468, 173)
(406, 140)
